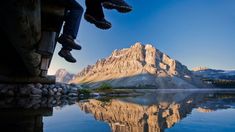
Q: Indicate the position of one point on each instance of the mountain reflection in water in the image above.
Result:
(153, 112)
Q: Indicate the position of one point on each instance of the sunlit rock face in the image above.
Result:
(204, 110)
(131, 117)
(200, 68)
(138, 66)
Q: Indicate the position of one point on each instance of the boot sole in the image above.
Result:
(96, 23)
(61, 55)
(64, 43)
(121, 9)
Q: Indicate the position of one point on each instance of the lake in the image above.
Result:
(155, 111)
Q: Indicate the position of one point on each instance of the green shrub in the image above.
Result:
(104, 87)
(85, 91)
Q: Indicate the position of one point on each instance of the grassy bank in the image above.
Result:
(107, 90)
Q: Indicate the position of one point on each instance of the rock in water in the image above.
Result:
(140, 66)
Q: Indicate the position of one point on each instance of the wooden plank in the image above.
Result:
(44, 66)
(45, 63)
(20, 112)
(13, 80)
(52, 15)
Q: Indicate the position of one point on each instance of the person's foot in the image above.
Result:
(100, 23)
(119, 5)
(68, 41)
(67, 55)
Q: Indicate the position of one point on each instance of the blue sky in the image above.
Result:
(194, 32)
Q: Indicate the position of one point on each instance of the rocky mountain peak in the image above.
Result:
(137, 45)
(200, 68)
(63, 76)
(138, 60)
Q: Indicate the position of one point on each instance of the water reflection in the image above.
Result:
(23, 120)
(26, 114)
(154, 112)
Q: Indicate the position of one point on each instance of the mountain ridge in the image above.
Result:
(63, 76)
(139, 65)
(209, 73)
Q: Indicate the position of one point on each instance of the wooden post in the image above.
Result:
(44, 66)
(47, 44)
(28, 30)
(28, 79)
(52, 20)
(21, 24)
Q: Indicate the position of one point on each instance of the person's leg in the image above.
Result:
(119, 5)
(70, 30)
(72, 21)
(94, 8)
(71, 25)
(95, 15)
(73, 15)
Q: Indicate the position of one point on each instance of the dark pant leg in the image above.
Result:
(72, 18)
(94, 8)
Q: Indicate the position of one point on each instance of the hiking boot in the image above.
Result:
(68, 41)
(67, 55)
(119, 5)
(99, 23)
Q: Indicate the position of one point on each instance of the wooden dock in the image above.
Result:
(28, 33)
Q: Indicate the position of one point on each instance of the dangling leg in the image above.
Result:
(95, 15)
(119, 5)
(70, 29)
(71, 26)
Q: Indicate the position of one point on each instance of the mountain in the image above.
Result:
(208, 73)
(154, 112)
(122, 115)
(140, 66)
(129, 117)
(63, 76)
(200, 68)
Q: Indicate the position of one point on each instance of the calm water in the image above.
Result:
(170, 111)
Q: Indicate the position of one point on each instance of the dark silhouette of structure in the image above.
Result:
(28, 33)
(29, 30)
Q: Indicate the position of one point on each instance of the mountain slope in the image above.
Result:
(208, 73)
(63, 76)
(138, 66)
